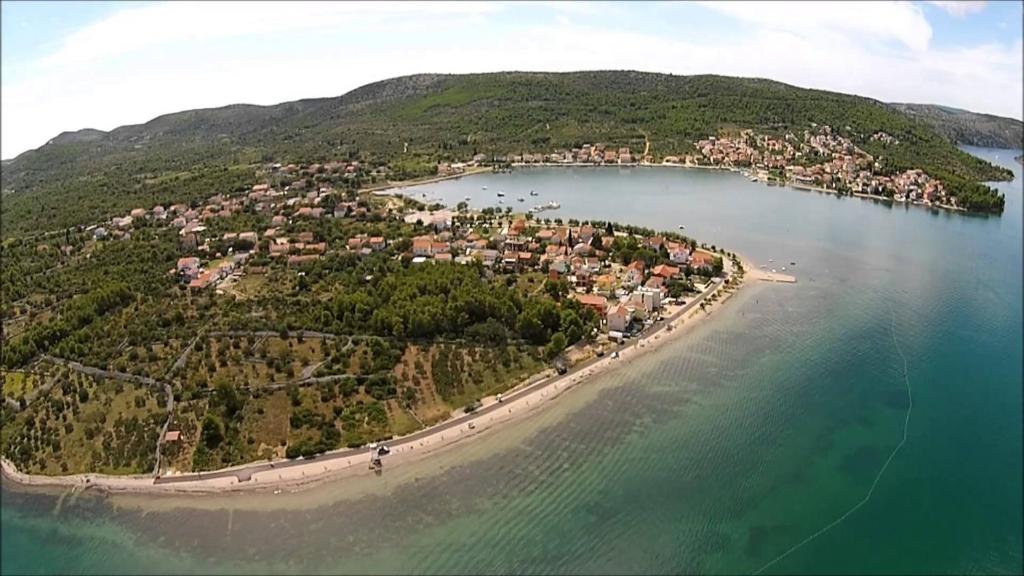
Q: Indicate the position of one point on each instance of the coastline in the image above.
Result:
(518, 402)
(429, 180)
(789, 183)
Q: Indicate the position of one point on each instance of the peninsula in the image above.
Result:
(242, 285)
(294, 318)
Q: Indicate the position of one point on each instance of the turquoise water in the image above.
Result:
(714, 454)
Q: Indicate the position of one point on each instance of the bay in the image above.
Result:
(715, 453)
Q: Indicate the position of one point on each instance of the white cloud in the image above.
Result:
(126, 69)
(959, 8)
(888, 21)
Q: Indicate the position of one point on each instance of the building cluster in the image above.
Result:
(581, 256)
(820, 158)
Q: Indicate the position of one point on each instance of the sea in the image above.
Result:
(867, 420)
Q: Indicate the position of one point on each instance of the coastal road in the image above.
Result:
(244, 473)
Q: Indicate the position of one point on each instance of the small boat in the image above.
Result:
(500, 193)
(521, 199)
(554, 205)
(483, 187)
(753, 178)
(771, 260)
(792, 263)
(783, 268)
(681, 227)
(533, 192)
(468, 198)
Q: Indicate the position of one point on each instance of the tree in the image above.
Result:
(556, 346)
(213, 431)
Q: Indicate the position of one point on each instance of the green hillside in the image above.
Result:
(971, 128)
(79, 177)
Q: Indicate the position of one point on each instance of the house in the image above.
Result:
(188, 268)
(422, 245)
(296, 260)
(635, 272)
(665, 271)
(646, 298)
(278, 220)
(443, 257)
(678, 253)
(159, 213)
(655, 283)
(701, 259)
(488, 257)
(305, 237)
(172, 435)
(618, 318)
(203, 280)
(99, 233)
(377, 243)
(138, 213)
(596, 301)
(178, 222)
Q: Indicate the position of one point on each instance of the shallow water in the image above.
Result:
(715, 453)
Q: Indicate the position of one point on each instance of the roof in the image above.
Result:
(592, 300)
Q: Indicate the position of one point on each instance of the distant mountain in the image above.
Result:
(965, 127)
(412, 122)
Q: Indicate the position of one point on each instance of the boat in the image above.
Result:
(553, 205)
(771, 260)
(753, 178)
(500, 201)
(483, 187)
(468, 198)
(783, 268)
(533, 192)
(792, 263)
(521, 199)
(500, 193)
(681, 227)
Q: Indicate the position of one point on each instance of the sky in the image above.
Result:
(67, 66)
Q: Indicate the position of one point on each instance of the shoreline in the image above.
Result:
(733, 169)
(517, 403)
(428, 180)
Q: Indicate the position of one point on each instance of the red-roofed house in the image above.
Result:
(596, 301)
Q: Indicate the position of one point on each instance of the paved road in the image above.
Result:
(245, 473)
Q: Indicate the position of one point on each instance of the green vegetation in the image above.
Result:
(181, 157)
(971, 128)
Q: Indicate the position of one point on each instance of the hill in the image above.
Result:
(411, 123)
(965, 127)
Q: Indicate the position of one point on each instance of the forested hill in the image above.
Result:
(412, 122)
(971, 128)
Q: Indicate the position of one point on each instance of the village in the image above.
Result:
(818, 158)
(627, 295)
